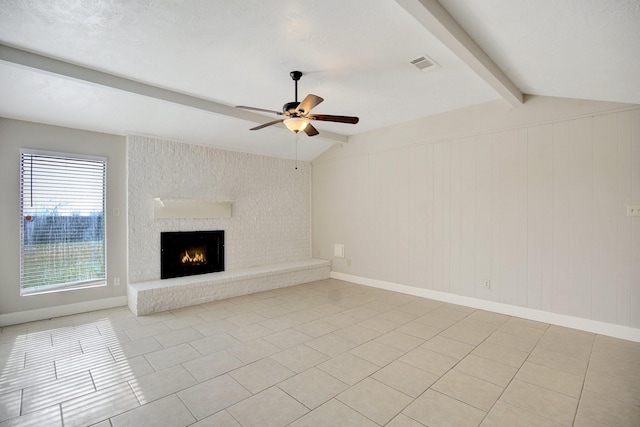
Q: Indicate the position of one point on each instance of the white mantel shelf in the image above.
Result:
(175, 208)
(161, 295)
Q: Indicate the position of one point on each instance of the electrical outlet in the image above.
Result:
(487, 284)
(633, 210)
(116, 281)
(348, 263)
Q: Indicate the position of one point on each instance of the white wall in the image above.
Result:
(271, 214)
(15, 135)
(532, 198)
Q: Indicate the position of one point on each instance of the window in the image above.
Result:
(62, 200)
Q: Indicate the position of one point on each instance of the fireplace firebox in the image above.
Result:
(186, 253)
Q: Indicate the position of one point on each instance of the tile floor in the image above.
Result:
(327, 353)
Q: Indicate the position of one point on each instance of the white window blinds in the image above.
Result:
(62, 221)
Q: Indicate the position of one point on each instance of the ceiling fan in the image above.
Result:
(296, 114)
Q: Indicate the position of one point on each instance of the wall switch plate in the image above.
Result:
(116, 281)
(487, 284)
(338, 251)
(633, 210)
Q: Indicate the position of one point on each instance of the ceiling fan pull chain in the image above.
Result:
(296, 142)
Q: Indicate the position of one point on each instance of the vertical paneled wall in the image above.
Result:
(539, 210)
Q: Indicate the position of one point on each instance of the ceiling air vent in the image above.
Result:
(424, 63)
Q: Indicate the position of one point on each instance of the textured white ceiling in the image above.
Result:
(585, 49)
(354, 54)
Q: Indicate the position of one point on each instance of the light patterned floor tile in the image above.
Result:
(288, 338)
(375, 343)
(348, 368)
(316, 328)
(99, 405)
(516, 342)
(249, 332)
(135, 348)
(313, 387)
(606, 410)
(214, 343)
(501, 354)
(471, 390)
(253, 350)
(213, 395)
(260, 375)
(400, 340)
(546, 403)
(403, 421)
(10, 404)
(168, 411)
(269, 408)
(438, 410)
(552, 379)
(128, 369)
(331, 344)
(429, 361)
(356, 334)
(56, 391)
(172, 356)
(505, 415)
(376, 352)
(397, 316)
(496, 319)
(419, 330)
(300, 358)
(179, 336)
(468, 331)
(379, 324)
(488, 370)
(554, 360)
(375, 400)
(448, 347)
(334, 413)
(582, 421)
(147, 330)
(220, 419)
(212, 365)
(406, 378)
(162, 383)
(183, 322)
(49, 417)
(68, 366)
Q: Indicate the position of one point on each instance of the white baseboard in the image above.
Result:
(61, 310)
(609, 329)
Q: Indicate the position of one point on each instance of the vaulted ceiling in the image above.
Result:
(176, 69)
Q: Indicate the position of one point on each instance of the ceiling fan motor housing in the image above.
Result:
(290, 107)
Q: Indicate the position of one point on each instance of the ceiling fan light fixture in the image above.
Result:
(296, 124)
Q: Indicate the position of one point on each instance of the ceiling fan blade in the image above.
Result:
(264, 125)
(244, 107)
(308, 103)
(329, 118)
(310, 130)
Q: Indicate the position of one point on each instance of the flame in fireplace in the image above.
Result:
(197, 258)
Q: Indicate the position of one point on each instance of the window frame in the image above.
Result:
(61, 287)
